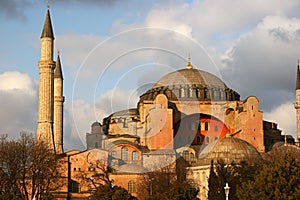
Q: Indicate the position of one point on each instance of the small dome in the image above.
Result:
(132, 169)
(230, 150)
(96, 124)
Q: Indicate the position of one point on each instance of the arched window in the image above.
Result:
(96, 144)
(131, 187)
(207, 139)
(185, 155)
(216, 137)
(124, 153)
(114, 154)
(212, 94)
(198, 139)
(197, 93)
(206, 127)
(192, 156)
(135, 156)
(205, 93)
(216, 128)
(190, 94)
(181, 93)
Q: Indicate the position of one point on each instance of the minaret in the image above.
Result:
(46, 67)
(297, 104)
(58, 107)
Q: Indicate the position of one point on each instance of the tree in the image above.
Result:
(105, 192)
(182, 191)
(279, 179)
(215, 191)
(28, 169)
(234, 174)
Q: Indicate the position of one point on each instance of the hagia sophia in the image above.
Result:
(188, 113)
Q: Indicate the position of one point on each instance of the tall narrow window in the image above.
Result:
(212, 94)
(205, 93)
(197, 93)
(190, 92)
(135, 156)
(114, 154)
(192, 156)
(206, 127)
(185, 155)
(181, 93)
(198, 139)
(125, 125)
(131, 187)
(124, 154)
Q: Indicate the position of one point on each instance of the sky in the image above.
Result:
(113, 51)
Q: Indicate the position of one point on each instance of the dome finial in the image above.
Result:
(189, 65)
(48, 5)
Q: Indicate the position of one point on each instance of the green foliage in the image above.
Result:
(182, 191)
(215, 185)
(278, 180)
(233, 174)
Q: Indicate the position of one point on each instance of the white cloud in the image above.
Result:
(18, 102)
(285, 116)
(81, 114)
(263, 61)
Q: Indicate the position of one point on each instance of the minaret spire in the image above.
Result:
(46, 66)
(58, 106)
(298, 77)
(297, 103)
(47, 29)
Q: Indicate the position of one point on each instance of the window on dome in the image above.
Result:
(131, 186)
(124, 154)
(197, 93)
(181, 93)
(212, 94)
(190, 94)
(205, 93)
(125, 125)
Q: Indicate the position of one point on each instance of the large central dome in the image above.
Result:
(191, 77)
(191, 84)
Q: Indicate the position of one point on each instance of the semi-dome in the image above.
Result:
(230, 149)
(191, 84)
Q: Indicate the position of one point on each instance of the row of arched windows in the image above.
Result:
(125, 154)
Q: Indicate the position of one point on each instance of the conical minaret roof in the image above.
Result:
(58, 71)
(298, 77)
(47, 29)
